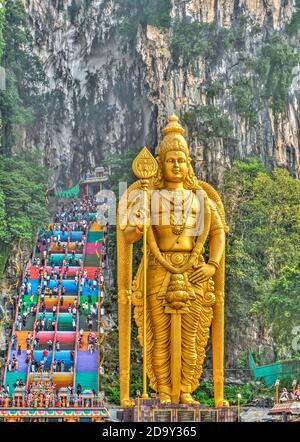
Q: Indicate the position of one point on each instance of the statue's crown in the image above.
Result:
(173, 138)
(173, 126)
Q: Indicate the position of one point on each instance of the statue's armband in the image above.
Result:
(124, 297)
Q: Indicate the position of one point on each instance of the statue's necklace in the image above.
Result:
(177, 221)
(196, 250)
(177, 229)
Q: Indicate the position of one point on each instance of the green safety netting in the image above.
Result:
(69, 193)
(46, 233)
(279, 370)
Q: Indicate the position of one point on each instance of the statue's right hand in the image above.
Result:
(203, 273)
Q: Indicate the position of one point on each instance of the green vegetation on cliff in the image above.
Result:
(2, 24)
(197, 39)
(263, 212)
(243, 93)
(137, 13)
(274, 69)
(279, 306)
(207, 123)
(264, 79)
(21, 101)
(293, 26)
(23, 206)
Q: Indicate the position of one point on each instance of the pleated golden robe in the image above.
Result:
(195, 322)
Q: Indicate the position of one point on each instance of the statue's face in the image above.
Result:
(175, 166)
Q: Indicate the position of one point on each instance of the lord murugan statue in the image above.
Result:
(178, 290)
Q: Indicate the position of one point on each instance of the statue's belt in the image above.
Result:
(174, 258)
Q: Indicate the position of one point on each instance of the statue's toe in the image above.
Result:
(186, 398)
(222, 403)
(164, 398)
(127, 403)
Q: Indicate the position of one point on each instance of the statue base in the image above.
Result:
(151, 410)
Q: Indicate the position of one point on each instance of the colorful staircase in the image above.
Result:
(80, 363)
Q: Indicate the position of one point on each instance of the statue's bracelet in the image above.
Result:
(213, 263)
(138, 230)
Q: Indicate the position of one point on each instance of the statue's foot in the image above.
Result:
(222, 403)
(127, 403)
(186, 398)
(164, 398)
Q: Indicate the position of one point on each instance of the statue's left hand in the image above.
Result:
(203, 273)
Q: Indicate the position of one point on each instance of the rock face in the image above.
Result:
(110, 97)
(258, 413)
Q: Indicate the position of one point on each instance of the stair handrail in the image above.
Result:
(56, 319)
(99, 315)
(34, 327)
(22, 277)
(76, 333)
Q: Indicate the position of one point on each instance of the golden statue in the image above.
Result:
(176, 294)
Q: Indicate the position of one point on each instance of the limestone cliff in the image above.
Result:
(109, 96)
(111, 91)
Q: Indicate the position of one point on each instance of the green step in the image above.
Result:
(84, 299)
(65, 327)
(94, 236)
(91, 261)
(29, 323)
(65, 322)
(88, 381)
(12, 376)
(84, 325)
(77, 255)
(27, 302)
(55, 257)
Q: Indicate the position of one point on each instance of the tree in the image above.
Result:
(263, 212)
(23, 206)
(279, 306)
(21, 103)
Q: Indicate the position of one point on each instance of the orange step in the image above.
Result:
(91, 271)
(59, 379)
(50, 302)
(67, 300)
(62, 379)
(54, 248)
(21, 339)
(34, 272)
(85, 341)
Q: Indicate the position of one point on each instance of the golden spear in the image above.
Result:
(145, 167)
